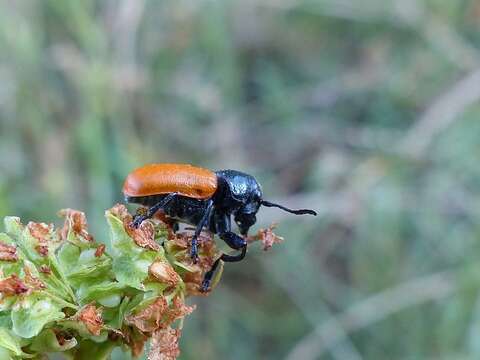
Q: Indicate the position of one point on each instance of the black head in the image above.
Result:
(241, 195)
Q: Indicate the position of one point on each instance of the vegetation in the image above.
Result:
(365, 111)
(61, 292)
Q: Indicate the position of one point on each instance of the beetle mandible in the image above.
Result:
(202, 198)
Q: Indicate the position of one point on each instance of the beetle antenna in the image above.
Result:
(296, 212)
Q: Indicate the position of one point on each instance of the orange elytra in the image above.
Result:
(183, 179)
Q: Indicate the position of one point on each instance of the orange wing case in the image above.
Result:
(184, 179)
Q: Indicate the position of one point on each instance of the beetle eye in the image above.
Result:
(250, 208)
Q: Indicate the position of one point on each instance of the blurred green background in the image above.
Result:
(367, 111)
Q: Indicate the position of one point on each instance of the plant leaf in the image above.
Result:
(47, 341)
(10, 342)
(131, 271)
(121, 242)
(33, 314)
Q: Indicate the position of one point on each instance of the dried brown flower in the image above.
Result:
(77, 222)
(120, 211)
(177, 310)
(159, 315)
(193, 283)
(42, 250)
(267, 237)
(32, 281)
(12, 286)
(8, 252)
(100, 250)
(144, 235)
(180, 241)
(41, 232)
(165, 344)
(150, 318)
(91, 316)
(164, 273)
(45, 269)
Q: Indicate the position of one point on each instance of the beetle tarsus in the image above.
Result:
(205, 286)
(234, 258)
(137, 220)
(194, 250)
(207, 279)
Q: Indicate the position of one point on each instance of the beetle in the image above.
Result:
(202, 198)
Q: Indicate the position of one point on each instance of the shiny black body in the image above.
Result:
(181, 208)
(238, 195)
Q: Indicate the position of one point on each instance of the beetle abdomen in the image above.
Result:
(157, 179)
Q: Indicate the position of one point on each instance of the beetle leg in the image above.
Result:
(175, 227)
(225, 257)
(233, 240)
(205, 220)
(223, 228)
(139, 218)
(207, 279)
(235, 258)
